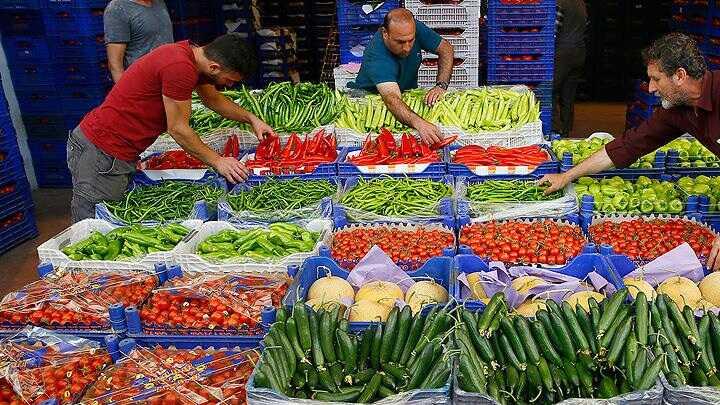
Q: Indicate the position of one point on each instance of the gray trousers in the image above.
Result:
(569, 68)
(96, 176)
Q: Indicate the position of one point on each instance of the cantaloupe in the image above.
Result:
(380, 291)
(706, 305)
(476, 287)
(331, 288)
(524, 284)
(318, 304)
(368, 311)
(710, 288)
(581, 298)
(638, 284)
(530, 307)
(682, 291)
(425, 292)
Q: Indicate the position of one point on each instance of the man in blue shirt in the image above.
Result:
(391, 62)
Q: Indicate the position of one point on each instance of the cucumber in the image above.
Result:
(543, 341)
(641, 318)
(562, 336)
(512, 337)
(326, 380)
(416, 328)
(364, 347)
(544, 317)
(678, 319)
(474, 380)
(619, 341)
(404, 323)
(375, 347)
(545, 374)
(496, 302)
(606, 339)
(651, 373)
(317, 353)
(572, 323)
(425, 361)
(689, 316)
(607, 388)
(303, 327)
(510, 355)
(528, 343)
(348, 351)
(481, 343)
(388, 339)
(631, 353)
(325, 333)
(350, 394)
(587, 329)
(715, 336)
(611, 308)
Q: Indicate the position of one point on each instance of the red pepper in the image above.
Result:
(406, 147)
(387, 138)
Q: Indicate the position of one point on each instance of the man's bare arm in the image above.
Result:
(446, 58)
(116, 60)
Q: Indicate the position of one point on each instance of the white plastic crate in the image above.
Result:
(343, 77)
(465, 45)
(51, 251)
(464, 76)
(466, 15)
(185, 253)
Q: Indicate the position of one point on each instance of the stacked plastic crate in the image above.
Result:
(17, 222)
(239, 17)
(642, 105)
(521, 48)
(57, 59)
(459, 24)
(358, 21)
(198, 21)
(277, 55)
(700, 20)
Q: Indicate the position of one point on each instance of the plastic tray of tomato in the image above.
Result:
(208, 304)
(524, 241)
(409, 246)
(76, 301)
(44, 366)
(160, 373)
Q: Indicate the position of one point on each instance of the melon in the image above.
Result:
(425, 292)
(331, 288)
(682, 291)
(530, 307)
(710, 288)
(581, 298)
(476, 287)
(524, 284)
(382, 292)
(638, 284)
(368, 311)
(706, 305)
(318, 304)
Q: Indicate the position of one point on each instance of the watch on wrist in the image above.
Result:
(442, 85)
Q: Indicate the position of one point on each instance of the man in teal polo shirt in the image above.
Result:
(391, 62)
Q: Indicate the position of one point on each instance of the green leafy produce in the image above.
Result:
(476, 110)
(498, 191)
(259, 244)
(281, 195)
(168, 201)
(396, 196)
(642, 196)
(702, 185)
(126, 242)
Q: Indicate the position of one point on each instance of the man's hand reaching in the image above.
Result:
(231, 169)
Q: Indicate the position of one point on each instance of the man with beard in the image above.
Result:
(691, 104)
(151, 97)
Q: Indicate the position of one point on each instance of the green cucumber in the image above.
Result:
(641, 318)
(543, 341)
(509, 332)
(572, 323)
(610, 312)
(389, 335)
(523, 331)
(404, 323)
(562, 335)
(375, 347)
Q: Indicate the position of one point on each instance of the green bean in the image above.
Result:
(396, 196)
(496, 191)
(281, 195)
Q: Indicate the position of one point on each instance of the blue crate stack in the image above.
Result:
(459, 24)
(17, 221)
(198, 21)
(521, 49)
(641, 107)
(56, 54)
(701, 21)
(357, 22)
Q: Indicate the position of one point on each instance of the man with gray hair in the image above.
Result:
(391, 62)
(691, 104)
(132, 29)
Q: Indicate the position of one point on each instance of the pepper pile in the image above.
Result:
(74, 300)
(179, 159)
(313, 355)
(385, 151)
(168, 201)
(647, 240)
(396, 197)
(160, 375)
(475, 155)
(643, 195)
(297, 156)
(586, 351)
(275, 196)
(217, 303)
(126, 242)
(544, 242)
(409, 248)
(280, 240)
(702, 186)
(581, 149)
(499, 191)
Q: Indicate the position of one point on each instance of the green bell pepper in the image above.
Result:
(661, 206)
(675, 206)
(646, 206)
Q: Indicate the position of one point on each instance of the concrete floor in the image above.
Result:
(18, 266)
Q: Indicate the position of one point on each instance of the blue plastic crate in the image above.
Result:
(711, 219)
(88, 48)
(83, 98)
(7, 129)
(21, 48)
(74, 21)
(314, 268)
(21, 4)
(622, 265)
(38, 99)
(21, 22)
(19, 232)
(73, 117)
(63, 4)
(14, 191)
(11, 167)
(579, 267)
(30, 74)
(674, 167)
(49, 150)
(544, 51)
(354, 41)
(347, 169)
(524, 42)
(512, 18)
(45, 126)
(546, 116)
(351, 12)
(458, 169)
(52, 175)
(520, 71)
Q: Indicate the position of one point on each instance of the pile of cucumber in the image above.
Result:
(314, 355)
(563, 352)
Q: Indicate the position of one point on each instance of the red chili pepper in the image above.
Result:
(406, 148)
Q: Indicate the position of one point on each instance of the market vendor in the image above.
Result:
(691, 104)
(391, 62)
(151, 97)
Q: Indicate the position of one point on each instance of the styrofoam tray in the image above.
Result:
(51, 251)
(185, 253)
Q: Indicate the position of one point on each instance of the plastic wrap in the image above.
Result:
(74, 299)
(213, 304)
(689, 395)
(179, 376)
(39, 365)
(214, 140)
(400, 249)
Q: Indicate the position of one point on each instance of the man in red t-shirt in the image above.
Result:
(152, 97)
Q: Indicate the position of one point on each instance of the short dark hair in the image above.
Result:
(232, 52)
(674, 51)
